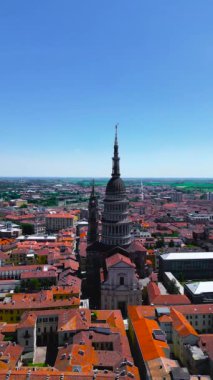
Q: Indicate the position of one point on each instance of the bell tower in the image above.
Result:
(92, 234)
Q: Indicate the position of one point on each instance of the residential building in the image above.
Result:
(14, 306)
(156, 298)
(58, 221)
(152, 352)
(89, 341)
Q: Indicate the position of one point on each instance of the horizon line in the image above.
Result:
(91, 177)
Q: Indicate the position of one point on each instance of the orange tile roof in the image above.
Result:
(74, 319)
(160, 368)
(76, 354)
(156, 298)
(60, 215)
(10, 354)
(150, 347)
(9, 328)
(41, 300)
(181, 325)
(136, 312)
(165, 319)
(195, 309)
(117, 258)
(28, 320)
(24, 373)
(153, 291)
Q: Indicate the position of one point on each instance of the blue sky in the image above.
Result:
(71, 69)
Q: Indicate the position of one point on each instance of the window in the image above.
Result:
(26, 343)
(121, 280)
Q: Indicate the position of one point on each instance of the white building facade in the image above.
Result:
(121, 286)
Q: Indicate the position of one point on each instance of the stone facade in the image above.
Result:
(120, 287)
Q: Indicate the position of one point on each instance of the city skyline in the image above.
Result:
(72, 71)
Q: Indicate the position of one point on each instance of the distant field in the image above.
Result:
(184, 185)
(203, 186)
(187, 184)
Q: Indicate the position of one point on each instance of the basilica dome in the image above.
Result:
(115, 186)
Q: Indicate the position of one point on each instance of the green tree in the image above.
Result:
(181, 277)
(171, 244)
(17, 289)
(27, 228)
(34, 284)
(172, 287)
(23, 206)
(159, 243)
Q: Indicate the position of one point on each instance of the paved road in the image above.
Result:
(40, 354)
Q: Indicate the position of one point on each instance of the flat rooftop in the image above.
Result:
(200, 287)
(37, 237)
(187, 255)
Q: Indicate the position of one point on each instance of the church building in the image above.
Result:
(115, 261)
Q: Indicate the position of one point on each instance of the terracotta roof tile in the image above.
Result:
(181, 325)
(117, 258)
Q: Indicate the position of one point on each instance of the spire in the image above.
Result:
(93, 188)
(92, 198)
(116, 134)
(92, 234)
(116, 159)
